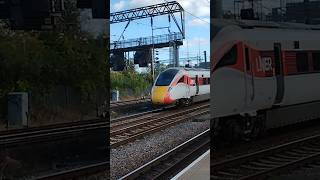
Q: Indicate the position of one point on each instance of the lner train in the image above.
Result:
(181, 86)
(263, 76)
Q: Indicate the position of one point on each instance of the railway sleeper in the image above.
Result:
(302, 151)
(299, 153)
(280, 159)
(263, 165)
(284, 156)
(228, 174)
(271, 162)
(311, 149)
(253, 167)
(240, 170)
(218, 177)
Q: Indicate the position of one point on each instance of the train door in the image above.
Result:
(249, 77)
(187, 80)
(197, 85)
(278, 73)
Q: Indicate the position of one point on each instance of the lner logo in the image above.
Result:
(264, 64)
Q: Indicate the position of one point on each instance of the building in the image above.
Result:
(303, 12)
(95, 27)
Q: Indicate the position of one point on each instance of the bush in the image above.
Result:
(39, 62)
(131, 83)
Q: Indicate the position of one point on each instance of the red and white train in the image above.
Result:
(181, 86)
(264, 75)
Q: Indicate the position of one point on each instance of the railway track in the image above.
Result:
(136, 115)
(116, 104)
(80, 172)
(52, 132)
(123, 132)
(303, 153)
(170, 163)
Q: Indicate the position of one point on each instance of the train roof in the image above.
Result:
(261, 35)
(189, 69)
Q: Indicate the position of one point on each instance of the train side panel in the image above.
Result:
(301, 88)
(228, 94)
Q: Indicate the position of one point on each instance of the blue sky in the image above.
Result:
(197, 28)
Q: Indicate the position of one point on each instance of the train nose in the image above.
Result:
(160, 95)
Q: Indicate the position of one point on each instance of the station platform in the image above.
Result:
(198, 169)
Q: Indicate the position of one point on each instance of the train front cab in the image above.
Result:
(160, 91)
(253, 80)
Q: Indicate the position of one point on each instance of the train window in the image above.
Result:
(316, 61)
(166, 77)
(204, 81)
(181, 80)
(230, 58)
(302, 62)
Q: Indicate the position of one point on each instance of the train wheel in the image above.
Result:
(185, 102)
(259, 125)
(231, 130)
(189, 101)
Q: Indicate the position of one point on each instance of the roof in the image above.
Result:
(190, 69)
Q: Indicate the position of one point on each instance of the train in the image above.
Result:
(181, 86)
(264, 75)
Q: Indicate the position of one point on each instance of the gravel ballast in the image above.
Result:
(127, 158)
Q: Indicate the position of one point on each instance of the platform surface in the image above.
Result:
(198, 169)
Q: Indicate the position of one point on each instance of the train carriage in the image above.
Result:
(181, 86)
(265, 75)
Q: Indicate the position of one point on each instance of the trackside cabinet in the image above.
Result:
(18, 109)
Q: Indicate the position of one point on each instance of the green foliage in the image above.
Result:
(38, 62)
(131, 83)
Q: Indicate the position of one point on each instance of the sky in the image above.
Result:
(197, 26)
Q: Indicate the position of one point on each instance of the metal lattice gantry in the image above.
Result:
(159, 41)
(151, 11)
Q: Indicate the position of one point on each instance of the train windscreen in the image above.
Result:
(166, 77)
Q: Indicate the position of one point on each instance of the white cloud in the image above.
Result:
(130, 4)
(199, 8)
(196, 41)
(199, 22)
(119, 6)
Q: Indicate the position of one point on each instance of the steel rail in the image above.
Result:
(269, 161)
(173, 161)
(133, 132)
(79, 172)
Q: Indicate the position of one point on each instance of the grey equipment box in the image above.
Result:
(18, 109)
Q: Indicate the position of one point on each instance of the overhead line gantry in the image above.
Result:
(151, 11)
(173, 39)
